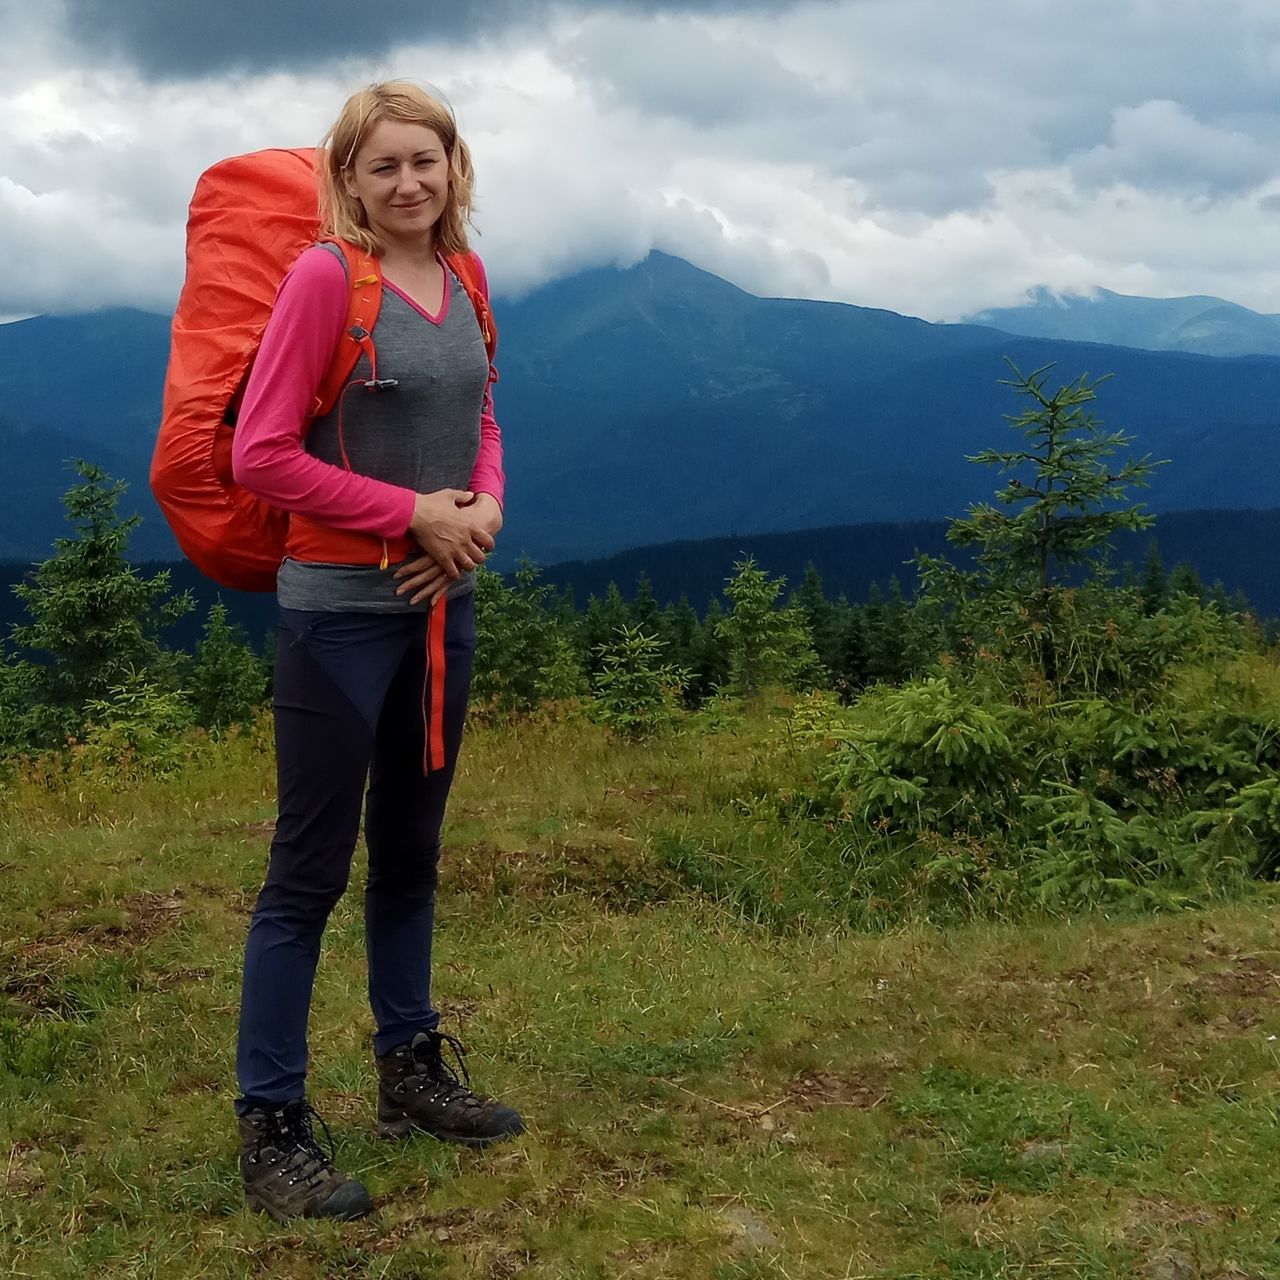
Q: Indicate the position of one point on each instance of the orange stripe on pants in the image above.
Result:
(433, 690)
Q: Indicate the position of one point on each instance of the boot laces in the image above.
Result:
(290, 1132)
(454, 1080)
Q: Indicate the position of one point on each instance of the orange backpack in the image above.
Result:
(250, 218)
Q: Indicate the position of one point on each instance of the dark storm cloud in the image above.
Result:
(166, 40)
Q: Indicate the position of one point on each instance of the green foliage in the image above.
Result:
(935, 757)
(1256, 809)
(18, 707)
(1080, 743)
(1052, 638)
(94, 618)
(1069, 509)
(136, 731)
(525, 654)
(226, 680)
(1066, 804)
(637, 694)
(767, 644)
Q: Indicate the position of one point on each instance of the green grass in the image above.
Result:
(724, 1079)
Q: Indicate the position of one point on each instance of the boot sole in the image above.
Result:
(399, 1130)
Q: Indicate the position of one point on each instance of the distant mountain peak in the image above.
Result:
(1198, 323)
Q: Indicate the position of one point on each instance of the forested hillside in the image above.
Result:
(659, 403)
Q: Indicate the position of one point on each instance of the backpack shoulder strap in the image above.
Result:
(364, 300)
(467, 268)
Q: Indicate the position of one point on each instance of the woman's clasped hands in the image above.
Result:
(455, 530)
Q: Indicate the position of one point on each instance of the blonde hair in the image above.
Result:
(341, 213)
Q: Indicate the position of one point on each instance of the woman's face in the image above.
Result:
(401, 176)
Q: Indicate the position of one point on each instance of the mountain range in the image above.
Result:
(657, 402)
(1203, 325)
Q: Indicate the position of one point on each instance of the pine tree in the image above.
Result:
(1155, 581)
(821, 618)
(1074, 501)
(1060, 516)
(95, 620)
(710, 672)
(637, 693)
(681, 633)
(525, 654)
(1184, 580)
(227, 681)
(767, 644)
(645, 612)
(604, 617)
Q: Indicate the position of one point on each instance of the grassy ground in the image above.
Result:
(712, 1092)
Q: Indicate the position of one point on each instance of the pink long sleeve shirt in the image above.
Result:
(269, 457)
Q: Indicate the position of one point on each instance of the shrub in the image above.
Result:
(227, 680)
(767, 644)
(93, 617)
(637, 694)
(524, 653)
(136, 732)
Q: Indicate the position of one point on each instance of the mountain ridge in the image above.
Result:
(658, 401)
(1197, 323)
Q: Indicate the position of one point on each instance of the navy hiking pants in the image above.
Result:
(349, 712)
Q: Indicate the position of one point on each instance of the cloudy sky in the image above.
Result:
(930, 156)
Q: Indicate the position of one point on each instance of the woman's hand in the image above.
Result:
(424, 577)
(445, 526)
(488, 514)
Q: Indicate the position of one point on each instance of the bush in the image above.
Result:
(767, 644)
(136, 732)
(227, 679)
(637, 694)
(524, 655)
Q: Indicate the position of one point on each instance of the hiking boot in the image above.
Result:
(418, 1089)
(288, 1174)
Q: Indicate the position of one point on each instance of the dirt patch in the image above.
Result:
(121, 925)
(180, 977)
(448, 1226)
(1236, 1023)
(456, 1009)
(1147, 1217)
(816, 1089)
(348, 1106)
(1249, 978)
(20, 1175)
(151, 914)
(35, 975)
(616, 1174)
(34, 981)
(507, 1263)
(198, 1082)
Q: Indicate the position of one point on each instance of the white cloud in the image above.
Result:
(921, 155)
(1160, 145)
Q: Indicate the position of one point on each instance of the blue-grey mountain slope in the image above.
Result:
(1203, 325)
(657, 403)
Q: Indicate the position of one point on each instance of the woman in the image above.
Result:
(395, 497)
